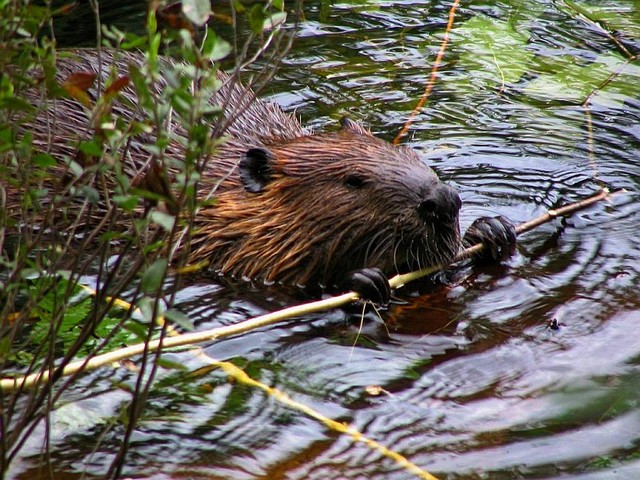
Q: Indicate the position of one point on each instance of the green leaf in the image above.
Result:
(92, 147)
(140, 331)
(274, 21)
(211, 112)
(171, 364)
(133, 42)
(74, 166)
(90, 194)
(493, 51)
(165, 220)
(16, 104)
(44, 160)
(152, 25)
(153, 246)
(179, 319)
(153, 276)
(29, 273)
(5, 348)
(145, 304)
(238, 6)
(215, 48)
(6, 135)
(38, 193)
(126, 202)
(256, 18)
(197, 11)
(154, 150)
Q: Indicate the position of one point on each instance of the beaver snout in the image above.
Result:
(440, 204)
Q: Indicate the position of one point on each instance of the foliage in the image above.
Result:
(61, 214)
(118, 328)
(497, 53)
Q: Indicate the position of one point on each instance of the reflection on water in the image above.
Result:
(477, 385)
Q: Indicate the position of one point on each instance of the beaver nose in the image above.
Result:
(441, 203)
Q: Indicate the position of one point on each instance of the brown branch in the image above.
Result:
(600, 25)
(567, 210)
(432, 77)
(11, 384)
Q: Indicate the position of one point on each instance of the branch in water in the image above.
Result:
(10, 384)
(567, 210)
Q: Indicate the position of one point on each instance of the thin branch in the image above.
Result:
(11, 384)
(240, 376)
(606, 30)
(567, 210)
(601, 25)
(432, 77)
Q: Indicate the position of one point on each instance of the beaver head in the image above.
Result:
(312, 208)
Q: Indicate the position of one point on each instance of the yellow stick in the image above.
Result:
(241, 376)
(10, 384)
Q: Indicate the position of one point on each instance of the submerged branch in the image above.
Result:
(241, 376)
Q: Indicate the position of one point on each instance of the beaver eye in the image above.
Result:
(354, 181)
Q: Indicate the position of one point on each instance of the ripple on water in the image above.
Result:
(529, 384)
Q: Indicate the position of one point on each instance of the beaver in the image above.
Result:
(340, 210)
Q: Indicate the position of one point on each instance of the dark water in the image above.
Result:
(475, 384)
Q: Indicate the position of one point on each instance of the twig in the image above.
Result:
(606, 30)
(600, 25)
(586, 106)
(567, 210)
(240, 376)
(432, 77)
(11, 384)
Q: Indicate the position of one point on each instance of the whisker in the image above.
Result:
(375, 249)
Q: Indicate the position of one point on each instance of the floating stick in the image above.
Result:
(185, 339)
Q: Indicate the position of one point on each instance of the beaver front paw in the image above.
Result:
(497, 234)
(370, 283)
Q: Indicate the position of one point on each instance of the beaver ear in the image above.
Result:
(255, 169)
(349, 125)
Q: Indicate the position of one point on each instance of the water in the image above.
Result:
(474, 382)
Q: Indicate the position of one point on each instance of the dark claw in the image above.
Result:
(497, 233)
(370, 283)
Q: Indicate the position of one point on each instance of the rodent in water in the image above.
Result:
(298, 207)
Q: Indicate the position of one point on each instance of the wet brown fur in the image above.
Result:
(308, 226)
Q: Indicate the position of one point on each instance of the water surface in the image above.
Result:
(474, 382)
